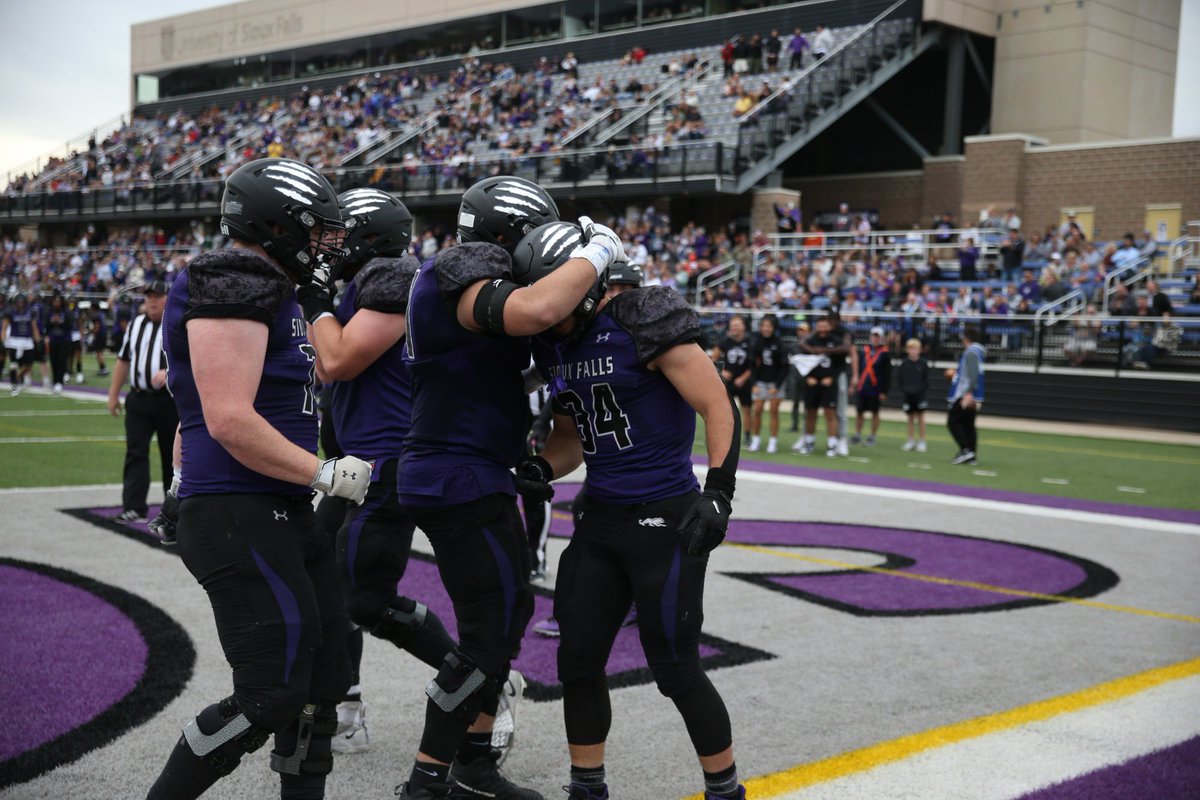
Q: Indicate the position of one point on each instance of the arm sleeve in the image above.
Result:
(466, 264)
(658, 318)
(383, 284)
(235, 284)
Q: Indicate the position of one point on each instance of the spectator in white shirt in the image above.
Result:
(822, 42)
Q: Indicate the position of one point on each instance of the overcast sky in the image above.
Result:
(64, 69)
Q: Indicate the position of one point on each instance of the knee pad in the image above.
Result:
(460, 687)
(221, 735)
(676, 678)
(397, 621)
(316, 719)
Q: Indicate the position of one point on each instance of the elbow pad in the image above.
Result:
(489, 304)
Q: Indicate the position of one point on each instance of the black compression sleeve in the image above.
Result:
(723, 478)
(489, 304)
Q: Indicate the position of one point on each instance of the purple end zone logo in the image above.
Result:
(108, 659)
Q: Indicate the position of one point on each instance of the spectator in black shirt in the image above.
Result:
(820, 385)
(1159, 302)
(773, 47)
(733, 357)
(770, 373)
(913, 380)
(1012, 252)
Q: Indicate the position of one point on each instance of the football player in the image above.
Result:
(243, 378)
(628, 379)
(467, 343)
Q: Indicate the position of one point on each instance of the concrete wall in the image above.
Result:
(1096, 70)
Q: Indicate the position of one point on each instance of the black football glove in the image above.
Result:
(704, 525)
(315, 300)
(533, 479)
(168, 517)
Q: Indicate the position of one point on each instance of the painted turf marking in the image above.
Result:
(867, 758)
(983, 587)
(1131, 489)
(59, 439)
(1057, 481)
(860, 460)
(975, 503)
(914, 465)
(1074, 451)
(108, 487)
(985, 473)
(57, 413)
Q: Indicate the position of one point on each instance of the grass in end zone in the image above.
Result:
(60, 441)
(1059, 466)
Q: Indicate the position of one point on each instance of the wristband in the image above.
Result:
(323, 478)
(721, 481)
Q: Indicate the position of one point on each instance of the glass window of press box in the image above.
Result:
(522, 27)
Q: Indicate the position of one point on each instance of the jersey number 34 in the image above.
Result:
(606, 418)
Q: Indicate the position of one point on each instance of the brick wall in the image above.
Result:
(1118, 180)
(896, 195)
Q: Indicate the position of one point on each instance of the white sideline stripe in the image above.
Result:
(80, 413)
(935, 497)
(986, 473)
(48, 489)
(59, 439)
(1131, 489)
(1034, 755)
(1057, 481)
(860, 459)
(913, 465)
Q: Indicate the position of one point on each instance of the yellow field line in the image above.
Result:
(983, 587)
(877, 755)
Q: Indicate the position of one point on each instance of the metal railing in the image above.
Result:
(1096, 342)
(1126, 275)
(714, 277)
(69, 150)
(694, 163)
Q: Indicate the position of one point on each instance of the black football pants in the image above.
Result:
(146, 414)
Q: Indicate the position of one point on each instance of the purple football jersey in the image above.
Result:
(637, 430)
(469, 408)
(243, 285)
(372, 412)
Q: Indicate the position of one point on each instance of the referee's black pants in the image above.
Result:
(146, 413)
(961, 423)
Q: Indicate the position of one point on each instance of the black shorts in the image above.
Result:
(867, 402)
(97, 343)
(20, 358)
(915, 402)
(629, 554)
(271, 577)
(743, 394)
(76, 345)
(817, 395)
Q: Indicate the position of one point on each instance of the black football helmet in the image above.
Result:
(377, 224)
(625, 273)
(544, 250)
(502, 210)
(290, 210)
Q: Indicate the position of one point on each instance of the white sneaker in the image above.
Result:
(79, 377)
(921, 448)
(504, 731)
(57, 388)
(843, 449)
(351, 736)
(15, 390)
(909, 446)
(772, 445)
(831, 451)
(755, 443)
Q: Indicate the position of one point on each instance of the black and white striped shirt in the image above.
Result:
(142, 347)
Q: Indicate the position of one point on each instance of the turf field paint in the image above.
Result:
(1057, 481)
(867, 758)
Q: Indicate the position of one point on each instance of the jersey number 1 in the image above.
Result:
(606, 418)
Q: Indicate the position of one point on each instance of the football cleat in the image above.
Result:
(352, 735)
(964, 457)
(430, 792)
(481, 777)
(504, 731)
(547, 627)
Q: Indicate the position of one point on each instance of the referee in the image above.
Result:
(149, 409)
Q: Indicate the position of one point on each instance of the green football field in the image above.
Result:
(59, 441)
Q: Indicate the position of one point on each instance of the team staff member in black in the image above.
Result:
(60, 322)
(737, 371)
(770, 373)
(149, 408)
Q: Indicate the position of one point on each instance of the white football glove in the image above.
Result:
(346, 477)
(601, 245)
